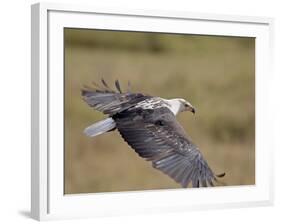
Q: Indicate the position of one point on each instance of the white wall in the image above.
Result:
(15, 110)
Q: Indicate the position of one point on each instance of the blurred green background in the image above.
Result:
(215, 73)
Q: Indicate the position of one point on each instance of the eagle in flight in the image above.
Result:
(148, 124)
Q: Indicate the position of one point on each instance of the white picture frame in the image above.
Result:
(48, 200)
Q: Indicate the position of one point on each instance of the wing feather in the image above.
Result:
(117, 84)
(105, 100)
(165, 144)
(104, 83)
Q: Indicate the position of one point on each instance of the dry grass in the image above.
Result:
(216, 74)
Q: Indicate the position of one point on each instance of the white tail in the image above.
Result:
(100, 127)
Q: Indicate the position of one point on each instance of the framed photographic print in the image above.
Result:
(148, 111)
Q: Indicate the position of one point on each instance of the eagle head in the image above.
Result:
(185, 106)
(179, 105)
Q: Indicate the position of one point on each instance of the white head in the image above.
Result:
(180, 105)
(186, 106)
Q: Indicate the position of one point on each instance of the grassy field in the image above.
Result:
(216, 74)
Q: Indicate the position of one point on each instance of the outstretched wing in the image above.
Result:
(157, 136)
(109, 101)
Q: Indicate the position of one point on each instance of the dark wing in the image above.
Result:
(157, 136)
(109, 101)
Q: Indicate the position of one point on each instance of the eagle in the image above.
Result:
(149, 125)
